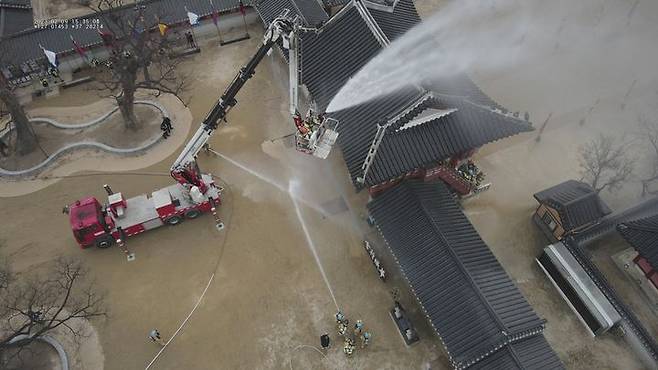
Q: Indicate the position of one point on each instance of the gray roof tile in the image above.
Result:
(335, 2)
(396, 23)
(642, 234)
(465, 293)
(329, 58)
(577, 203)
(310, 11)
(533, 353)
(15, 19)
(345, 44)
(631, 321)
(469, 127)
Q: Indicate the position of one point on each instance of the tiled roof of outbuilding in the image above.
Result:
(576, 201)
(642, 234)
(465, 293)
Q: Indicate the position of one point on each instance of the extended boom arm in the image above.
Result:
(184, 169)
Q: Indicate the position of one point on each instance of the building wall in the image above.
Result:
(230, 25)
(559, 231)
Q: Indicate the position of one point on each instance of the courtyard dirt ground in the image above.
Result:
(268, 297)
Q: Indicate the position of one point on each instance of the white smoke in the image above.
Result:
(495, 37)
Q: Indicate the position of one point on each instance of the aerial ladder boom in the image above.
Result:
(184, 169)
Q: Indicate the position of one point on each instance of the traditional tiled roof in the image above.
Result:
(533, 353)
(642, 234)
(467, 296)
(397, 22)
(643, 209)
(468, 126)
(335, 2)
(344, 45)
(460, 85)
(15, 16)
(309, 11)
(24, 46)
(329, 58)
(576, 202)
(630, 321)
(26, 4)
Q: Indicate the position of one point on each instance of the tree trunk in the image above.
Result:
(26, 142)
(127, 106)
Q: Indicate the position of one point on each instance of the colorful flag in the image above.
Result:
(163, 28)
(215, 13)
(193, 18)
(107, 37)
(78, 48)
(242, 9)
(50, 55)
(215, 17)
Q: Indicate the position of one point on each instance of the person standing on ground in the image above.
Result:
(190, 40)
(348, 348)
(154, 335)
(365, 339)
(166, 127)
(339, 317)
(358, 327)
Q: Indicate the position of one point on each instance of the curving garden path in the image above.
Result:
(85, 144)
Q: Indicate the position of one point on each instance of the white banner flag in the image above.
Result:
(193, 18)
(52, 56)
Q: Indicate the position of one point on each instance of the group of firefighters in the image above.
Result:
(307, 127)
(350, 337)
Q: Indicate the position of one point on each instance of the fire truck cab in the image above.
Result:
(90, 224)
(94, 224)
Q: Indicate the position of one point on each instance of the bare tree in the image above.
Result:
(140, 57)
(35, 305)
(25, 139)
(605, 164)
(649, 133)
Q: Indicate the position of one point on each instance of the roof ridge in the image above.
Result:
(581, 197)
(639, 225)
(381, 7)
(460, 264)
(376, 31)
(489, 109)
(341, 13)
(506, 335)
(507, 345)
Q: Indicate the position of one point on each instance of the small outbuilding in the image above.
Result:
(568, 209)
(642, 235)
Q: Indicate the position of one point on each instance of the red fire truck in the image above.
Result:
(96, 224)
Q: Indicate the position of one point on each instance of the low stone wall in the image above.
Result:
(85, 144)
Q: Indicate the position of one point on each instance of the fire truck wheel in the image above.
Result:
(192, 213)
(105, 242)
(174, 220)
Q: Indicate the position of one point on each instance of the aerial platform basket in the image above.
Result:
(320, 141)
